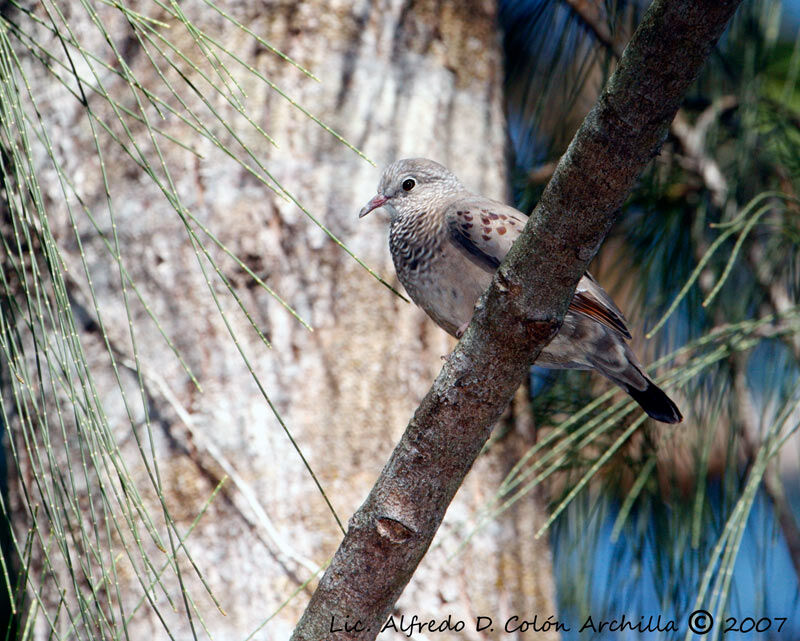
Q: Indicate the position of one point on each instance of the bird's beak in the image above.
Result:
(376, 202)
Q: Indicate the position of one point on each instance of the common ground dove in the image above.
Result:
(446, 243)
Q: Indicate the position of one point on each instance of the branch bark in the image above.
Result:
(390, 533)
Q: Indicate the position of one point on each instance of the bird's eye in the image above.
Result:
(408, 184)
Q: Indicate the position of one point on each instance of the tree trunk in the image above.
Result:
(398, 79)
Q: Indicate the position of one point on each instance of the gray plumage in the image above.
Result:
(446, 243)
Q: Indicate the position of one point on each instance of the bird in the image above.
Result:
(446, 243)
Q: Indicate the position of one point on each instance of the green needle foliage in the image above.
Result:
(62, 566)
(707, 245)
(711, 234)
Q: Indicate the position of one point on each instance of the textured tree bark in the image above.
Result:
(398, 79)
(521, 311)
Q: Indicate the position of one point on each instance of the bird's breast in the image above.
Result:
(438, 277)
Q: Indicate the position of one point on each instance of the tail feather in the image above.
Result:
(656, 403)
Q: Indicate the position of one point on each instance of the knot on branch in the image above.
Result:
(507, 283)
(393, 530)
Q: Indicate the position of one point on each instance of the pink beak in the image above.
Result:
(376, 202)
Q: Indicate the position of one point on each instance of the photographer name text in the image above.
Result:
(700, 622)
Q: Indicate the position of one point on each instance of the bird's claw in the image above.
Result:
(460, 331)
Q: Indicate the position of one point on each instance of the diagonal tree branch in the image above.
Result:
(390, 533)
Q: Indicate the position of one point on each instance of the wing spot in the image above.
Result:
(501, 230)
(503, 217)
(493, 216)
(485, 237)
(467, 217)
(487, 230)
(467, 225)
(485, 221)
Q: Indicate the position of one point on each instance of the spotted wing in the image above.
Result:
(484, 230)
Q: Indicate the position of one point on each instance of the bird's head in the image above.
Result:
(409, 186)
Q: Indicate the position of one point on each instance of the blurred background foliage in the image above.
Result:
(646, 519)
(705, 260)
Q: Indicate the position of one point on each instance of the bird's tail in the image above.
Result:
(655, 402)
(624, 369)
(629, 376)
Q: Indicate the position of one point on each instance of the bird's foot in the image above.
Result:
(460, 331)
